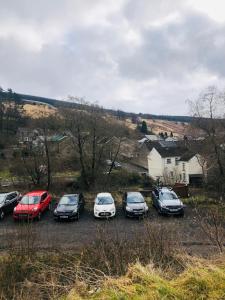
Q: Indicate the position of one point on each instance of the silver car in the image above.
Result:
(166, 202)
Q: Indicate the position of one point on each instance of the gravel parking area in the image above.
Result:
(49, 234)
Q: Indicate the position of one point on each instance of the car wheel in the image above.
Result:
(39, 216)
(2, 215)
(78, 216)
(159, 212)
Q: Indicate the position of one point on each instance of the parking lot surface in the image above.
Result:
(49, 234)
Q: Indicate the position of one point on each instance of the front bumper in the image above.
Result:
(136, 214)
(104, 214)
(65, 216)
(171, 211)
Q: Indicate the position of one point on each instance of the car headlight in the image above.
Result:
(55, 211)
(163, 206)
(75, 211)
(146, 207)
(112, 209)
(35, 209)
(128, 208)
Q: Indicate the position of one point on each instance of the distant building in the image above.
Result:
(172, 162)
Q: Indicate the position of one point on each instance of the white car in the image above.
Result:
(104, 206)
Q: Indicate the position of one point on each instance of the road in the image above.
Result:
(49, 234)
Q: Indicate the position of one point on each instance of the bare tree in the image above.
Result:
(208, 112)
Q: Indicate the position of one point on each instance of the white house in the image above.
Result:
(171, 162)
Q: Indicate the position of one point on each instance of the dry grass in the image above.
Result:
(201, 279)
(37, 111)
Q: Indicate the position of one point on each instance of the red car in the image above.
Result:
(32, 205)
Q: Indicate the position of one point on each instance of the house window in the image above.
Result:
(171, 174)
(177, 161)
(184, 177)
(183, 165)
(168, 161)
(180, 177)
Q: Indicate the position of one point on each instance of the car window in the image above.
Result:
(68, 200)
(2, 198)
(135, 198)
(14, 195)
(43, 197)
(30, 199)
(10, 197)
(104, 200)
(167, 196)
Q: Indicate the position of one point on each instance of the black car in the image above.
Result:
(7, 202)
(69, 207)
(134, 205)
(166, 202)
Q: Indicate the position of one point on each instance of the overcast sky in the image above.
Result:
(136, 55)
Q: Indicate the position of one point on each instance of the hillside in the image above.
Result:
(179, 129)
(73, 104)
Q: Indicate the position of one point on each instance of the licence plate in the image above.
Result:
(64, 217)
(104, 214)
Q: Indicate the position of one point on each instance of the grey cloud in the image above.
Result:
(88, 48)
(177, 49)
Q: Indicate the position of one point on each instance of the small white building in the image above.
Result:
(170, 162)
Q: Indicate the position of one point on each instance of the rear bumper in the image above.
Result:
(25, 216)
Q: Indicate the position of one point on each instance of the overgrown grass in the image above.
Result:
(201, 279)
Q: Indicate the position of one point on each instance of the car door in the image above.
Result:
(15, 200)
(9, 200)
(154, 198)
(81, 201)
(43, 202)
(124, 201)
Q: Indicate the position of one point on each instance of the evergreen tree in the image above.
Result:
(144, 128)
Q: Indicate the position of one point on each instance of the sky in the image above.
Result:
(135, 55)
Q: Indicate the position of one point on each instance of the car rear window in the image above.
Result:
(30, 199)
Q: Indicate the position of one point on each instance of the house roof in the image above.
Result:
(187, 156)
(168, 149)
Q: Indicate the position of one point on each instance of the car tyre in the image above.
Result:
(160, 212)
(78, 216)
(39, 216)
(2, 214)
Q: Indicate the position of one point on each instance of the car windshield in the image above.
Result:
(135, 199)
(104, 200)
(30, 199)
(167, 196)
(68, 200)
(2, 198)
